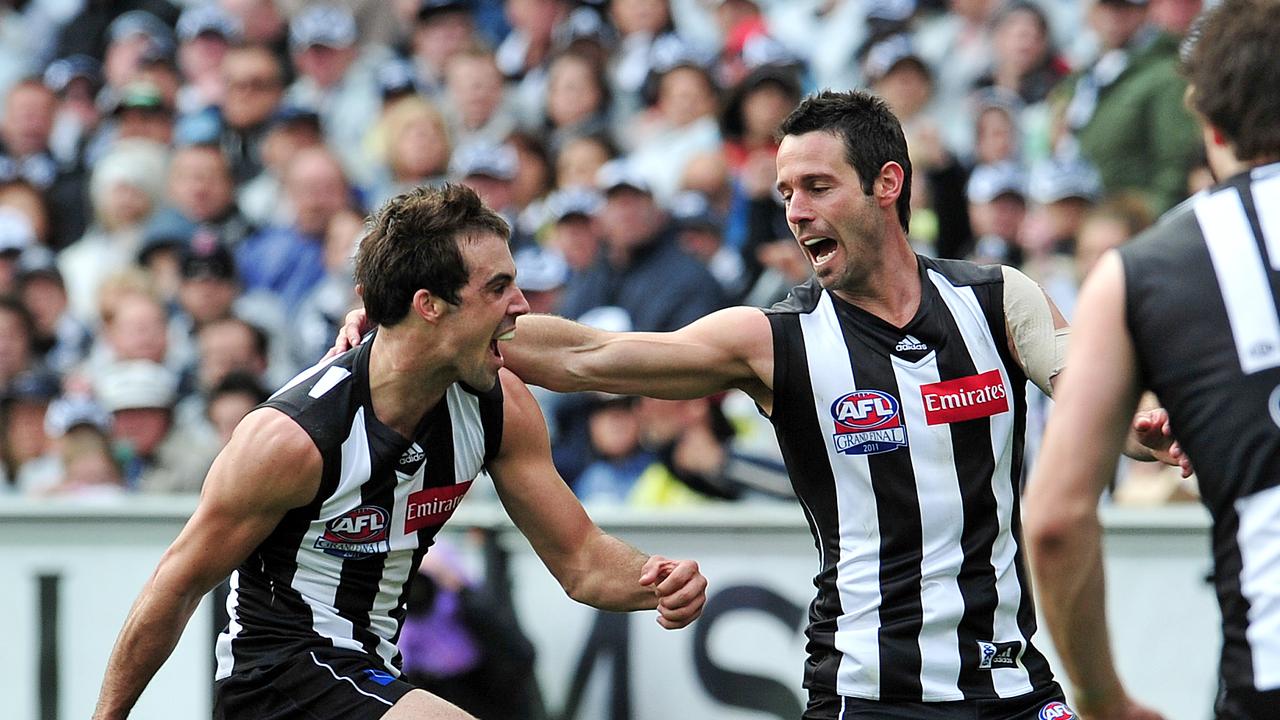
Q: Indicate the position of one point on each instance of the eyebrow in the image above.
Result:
(499, 278)
(805, 178)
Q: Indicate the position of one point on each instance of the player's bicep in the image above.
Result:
(269, 467)
(531, 490)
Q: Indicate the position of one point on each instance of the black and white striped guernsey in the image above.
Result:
(1201, 290)
(904, 447)
(334, 573)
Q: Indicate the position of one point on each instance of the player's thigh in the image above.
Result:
(422, 705)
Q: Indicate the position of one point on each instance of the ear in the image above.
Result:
(360, 291)
(429, 307)
(889, 184)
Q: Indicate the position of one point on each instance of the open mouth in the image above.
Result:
(502, 337)
(820, 249)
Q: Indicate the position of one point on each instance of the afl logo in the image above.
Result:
(867, 422)
(356, 533)
(363, 524)
(1056, 711)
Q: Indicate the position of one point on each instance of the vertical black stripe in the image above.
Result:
(362, 576)
(491, 421)
(893, 481)
(991, 299)
(805, 454)
(975, 465)
(217, 620)
(47, 660)
(1236, 667)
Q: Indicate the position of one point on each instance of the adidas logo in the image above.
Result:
(909, 343)
(412, 455)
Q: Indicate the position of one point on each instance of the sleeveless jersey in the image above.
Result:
(335, 572)
(904, 447)
(1201, 291)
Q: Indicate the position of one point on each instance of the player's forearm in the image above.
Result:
(1071, 587)
(149, 635)
(544, 351)
(609, 576)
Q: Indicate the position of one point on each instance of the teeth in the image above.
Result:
(508, 335)
(814, 241)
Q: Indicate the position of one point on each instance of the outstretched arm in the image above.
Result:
(730, 348)
(1086, 430)
(245, 494)
(593, 567)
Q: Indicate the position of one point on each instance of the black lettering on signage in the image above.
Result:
(609, 641)
(739, 689)
(47, 607)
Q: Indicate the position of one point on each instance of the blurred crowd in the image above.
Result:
(182, 185)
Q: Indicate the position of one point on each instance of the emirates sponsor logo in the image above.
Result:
(966, 398)
(433, 506)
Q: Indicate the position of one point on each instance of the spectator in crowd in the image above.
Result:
(443, 29)
(135, 326)
(78, 459)
(526, 51)
(412, 148)
(290, 130)
(577, 99)
(76, 81)
(489, 169)
(618, 458)
(334, 80)
(22, 197)
(230, 400)
(131, 38)
(288, 259)
(22, 413)
(580, 159)
(753, 110)
(1025, 61)
(205, 32)
(322, 312)
(141, 111)
(700, 233)
(126, 186)
(16, 333)
(997, 197)
(957, 45)
(26, 129)
(59, 339)
(682, 123)
(643, 27)
(570, 230)
(157, 456)
(1126, 110)
(533, 176)
(1106, 226)
(16, 237)
(253, 80)
(476, 103)
(202, 191)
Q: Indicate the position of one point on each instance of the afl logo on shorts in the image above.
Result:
(356, 533)
(867, 422)
(1056, 711)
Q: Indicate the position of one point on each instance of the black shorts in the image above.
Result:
(1044, 704)
(316, 685)
(1247, 704)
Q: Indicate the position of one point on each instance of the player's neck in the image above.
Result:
(888, 286)
(405, 379)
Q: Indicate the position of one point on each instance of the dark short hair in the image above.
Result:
(414, 244)
(1231, 63)
(871, 133)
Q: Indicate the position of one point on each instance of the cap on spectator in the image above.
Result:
(619, 173)
(36, 385)
(135, 384)
(208, 19)
(327, 25)
(1063, 178)
(988, 182)
(289, 113)
(140, 22)
(395, 78)
(38, 261)
(691, 211)
(584, 23)
(481, 158)
(71, 411)
(63, 71)
(539, 270)
(428, 9)
(761, 49)
(898, 11)
(141, 95)
(885, 56)
(167, 228)
(206, 257)
(573, 203)
(1133, 3)
(16, 233)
